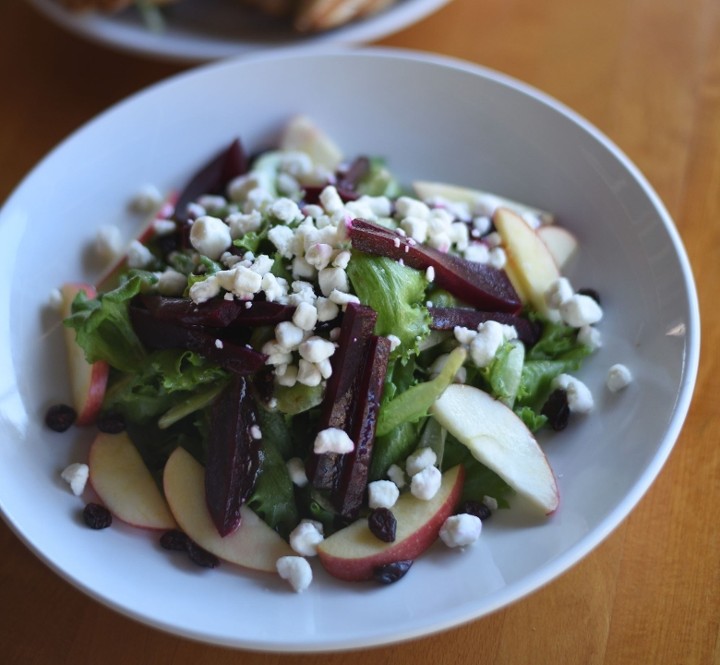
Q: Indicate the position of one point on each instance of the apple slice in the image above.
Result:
(561, 243)
(87, 380)
(353, 553)
(529, 260)
(500, 440)
(431, 190)
(253, 544)
(125, 485)
(303, 135)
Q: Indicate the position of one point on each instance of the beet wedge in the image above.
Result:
(477, 284)
(212, 178)
(158, 334)
(234, 455)
(217, 312)
(349, 492)
(339, 403)
(446, 318)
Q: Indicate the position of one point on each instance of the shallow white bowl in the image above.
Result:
(434, 119)
(201, 30)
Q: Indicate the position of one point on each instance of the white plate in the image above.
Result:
(436, 119)
(203, 30)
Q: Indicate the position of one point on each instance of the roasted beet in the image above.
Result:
(217, 312)
(350, 489)
(477, 284)
(212, 178)
(234, 447)
(159, 334)
(340, 401)
(446, 318)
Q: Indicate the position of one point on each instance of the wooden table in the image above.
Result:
(647, 73)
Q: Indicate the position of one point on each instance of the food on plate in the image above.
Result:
(300, 358)
(303, 15)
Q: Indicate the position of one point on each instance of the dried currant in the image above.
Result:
(382, 524)
(60, 417)
(557, 410)
(175, 541)
(391, 572)
(476, 508)
(111, 423)
(97, 516)
(201, 557)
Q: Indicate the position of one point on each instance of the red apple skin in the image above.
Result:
(87, 380)
(353, 553)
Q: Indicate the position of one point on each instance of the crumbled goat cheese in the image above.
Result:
(319, 255)
(580, 399)
(210, 236)
(288, 335)
(139, 256)
(416, 228)
(482, 224)
(282, 237)
(419, 460)
(382, 494)
(558, 293)
(108, 242)
(580, 310)
(296, 571)
(309, 374)
(261, 264)
(397, 475)
(285, 210)
(163, 227)
(219, 344)
(146, 200)
(296, 470)
(306, 536)
(325, 368)
(342, 259)
(430, 274)
(460, 530)
(331, 279)
(241, 223)
(590, 337)
(486, 343)
(76, 475)
(55, 300)
(425, 484)
(497, 258)
(490, 502)
(204, 290)
(256, 432)
(395, 341)
(477, 252)
(333, 440)
(301, 269)
(618, 377)
(316, 349)
(327, 310)
(407, 206)
(343, 299)
(331, 201)
(289, 377)
(212, 202)
(274, 288)
(463, 335)
(305, 316)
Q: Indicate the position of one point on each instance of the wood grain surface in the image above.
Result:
(647, 73)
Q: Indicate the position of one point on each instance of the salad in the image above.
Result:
(299, 358)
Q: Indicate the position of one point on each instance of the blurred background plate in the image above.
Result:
(203, 30)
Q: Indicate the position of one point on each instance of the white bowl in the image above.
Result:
(201, 30)
(434, 119)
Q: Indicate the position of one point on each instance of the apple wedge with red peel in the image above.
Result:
(561, 243)
(303, 135)
(529, 261)
(455, 193)
(87, 380)
(499, 439)
(353, 553)
(252, 545)
(125, 485)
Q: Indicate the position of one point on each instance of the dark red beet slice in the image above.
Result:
(477, 284)
(446, 318)
(348, 363)
(212, 178)
(158, 334)
(233, 455)
(350, 491)
(217, 312)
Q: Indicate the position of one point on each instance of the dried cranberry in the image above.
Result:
(60, 417)
(97, 516)
(476, 508)
(591, 293)
(391, 572)
(201, 557)
(111, 423)
(382, 524)
(556, 409)
(175, 541)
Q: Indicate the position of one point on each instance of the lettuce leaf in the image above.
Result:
(397, 294)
